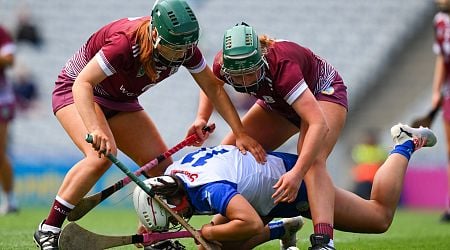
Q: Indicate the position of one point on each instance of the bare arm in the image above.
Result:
(205, 107)
(83, 96)
(214, 93)
(212, 87)
(244, 222)
(314, 128)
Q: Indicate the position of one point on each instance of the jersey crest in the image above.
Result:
(328, 91)
(141, 72)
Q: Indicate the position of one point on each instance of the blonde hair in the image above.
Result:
(143, 38)
(266, 43)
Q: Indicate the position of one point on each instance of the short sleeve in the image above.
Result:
(196, 63)
(290, 81)
(218, 195)
(115, 54)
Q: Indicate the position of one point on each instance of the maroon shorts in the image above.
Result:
(336, 93)
(62, 96)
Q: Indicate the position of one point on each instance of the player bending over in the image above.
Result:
(238, 189)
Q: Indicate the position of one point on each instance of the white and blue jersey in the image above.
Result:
(212, 176)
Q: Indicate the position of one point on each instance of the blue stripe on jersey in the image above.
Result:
(212, 197)
(289, 160)
(301, 205)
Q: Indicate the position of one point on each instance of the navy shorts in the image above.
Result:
(300, 206)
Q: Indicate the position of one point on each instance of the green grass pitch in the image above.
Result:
(411, 229)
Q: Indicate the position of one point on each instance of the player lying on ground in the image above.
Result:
(239, 190)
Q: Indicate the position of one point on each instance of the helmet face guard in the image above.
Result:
(246, 81)
(243, 62)
(172, 55)
(177, 31)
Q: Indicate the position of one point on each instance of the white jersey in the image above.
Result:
(251, 179)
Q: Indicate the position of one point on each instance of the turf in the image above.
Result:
(411, 229)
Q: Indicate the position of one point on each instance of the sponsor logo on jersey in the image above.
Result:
(190, 175)
(126, 92)
(328, 91)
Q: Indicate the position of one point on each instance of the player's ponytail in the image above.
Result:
(266, 42)
(143, 38)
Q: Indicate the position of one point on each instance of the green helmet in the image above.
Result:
(242, 55)
(175, 22)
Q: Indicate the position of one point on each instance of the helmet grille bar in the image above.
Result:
(228, 42)
(173, 18)
(249, 39)
(190, 13)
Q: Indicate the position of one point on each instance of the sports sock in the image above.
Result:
(324, 228)
(406, 149)
(58, 213)
(10, 198)
(276, 229)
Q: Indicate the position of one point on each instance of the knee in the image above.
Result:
(259, 227)
(384, 222)
(98, 166)
(255, 228)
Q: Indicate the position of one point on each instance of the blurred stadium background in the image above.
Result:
(381, 48)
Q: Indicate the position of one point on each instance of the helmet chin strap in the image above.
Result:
(160, 58)
(158, 40)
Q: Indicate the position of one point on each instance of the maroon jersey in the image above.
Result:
(441, 44)
(115, 49)
(7, 47)
(291, 70)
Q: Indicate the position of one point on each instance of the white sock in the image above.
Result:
(11, 199)
(48, 228)
(331, 243)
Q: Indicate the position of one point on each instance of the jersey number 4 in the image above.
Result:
(200, 156)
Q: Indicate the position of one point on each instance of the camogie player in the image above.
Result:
(97, 92)
(441, 81)
(7, 106)
(297, 92)
(239, 191)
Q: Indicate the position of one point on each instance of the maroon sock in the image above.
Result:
(324, 228)
(57, 215)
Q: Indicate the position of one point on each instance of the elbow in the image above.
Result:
(383, 222)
